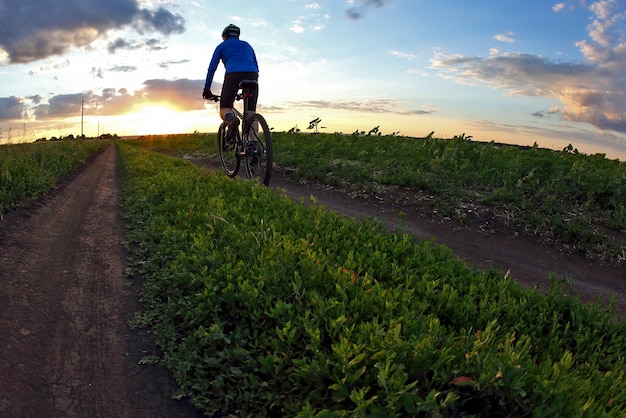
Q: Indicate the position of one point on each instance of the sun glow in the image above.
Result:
(157, 119)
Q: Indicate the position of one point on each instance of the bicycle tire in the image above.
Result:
(258, 160)
(227, 152)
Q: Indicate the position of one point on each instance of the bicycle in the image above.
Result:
(253, 144)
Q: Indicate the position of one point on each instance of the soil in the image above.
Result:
(67, 349)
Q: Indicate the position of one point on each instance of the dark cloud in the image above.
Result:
(37, 29)
(65, 105)
(162, 21)
(97, 72)
(168, 64)
(357, 12)
(12, 108)
(155, 45)
(123, 69)
(123, 44)
(130, 45)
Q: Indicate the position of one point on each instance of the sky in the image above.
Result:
(521, 72)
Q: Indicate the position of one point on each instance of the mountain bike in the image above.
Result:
(253, 144)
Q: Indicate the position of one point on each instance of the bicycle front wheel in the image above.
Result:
(227, 152)
(259, 155)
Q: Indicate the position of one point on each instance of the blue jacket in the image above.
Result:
(237, 56)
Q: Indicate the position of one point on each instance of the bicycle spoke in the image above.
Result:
(227, 152)
(259, 154)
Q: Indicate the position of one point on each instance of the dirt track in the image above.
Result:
(66, 348)
(527, 260)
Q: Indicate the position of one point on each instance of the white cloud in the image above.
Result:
(505, 37)
(590, 91)
(403, 55)
(296, 27)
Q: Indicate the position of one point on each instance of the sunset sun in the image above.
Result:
(157, 119)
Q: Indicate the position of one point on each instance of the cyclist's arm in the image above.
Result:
(256, 64)
(215, 60)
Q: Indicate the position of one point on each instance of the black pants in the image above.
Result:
(231, 86)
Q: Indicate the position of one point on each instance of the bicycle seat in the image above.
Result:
(248, 83)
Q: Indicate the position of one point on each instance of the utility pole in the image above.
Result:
(82, 116)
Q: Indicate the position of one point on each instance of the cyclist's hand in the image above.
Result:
(206, 94)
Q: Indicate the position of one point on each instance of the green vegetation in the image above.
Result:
(266, 307)
(574, 200)
(28, 171)
(577, 200)
(183, 146)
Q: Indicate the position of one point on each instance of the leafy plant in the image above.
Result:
(266, 307)
(28, 171)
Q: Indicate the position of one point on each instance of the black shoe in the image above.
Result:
(232, 128)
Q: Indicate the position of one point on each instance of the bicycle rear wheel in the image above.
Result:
(259, 153)
(227, 152)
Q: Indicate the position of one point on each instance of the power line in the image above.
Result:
(42, 55)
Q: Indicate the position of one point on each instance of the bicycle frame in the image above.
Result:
(252, 144)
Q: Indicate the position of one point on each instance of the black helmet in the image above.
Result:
(231, 30)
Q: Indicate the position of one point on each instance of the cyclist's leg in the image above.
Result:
(227, 97)
(252, 101)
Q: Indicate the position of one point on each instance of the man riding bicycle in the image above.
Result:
(240, 62)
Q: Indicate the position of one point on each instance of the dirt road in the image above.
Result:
(66, 348)
(528, 261)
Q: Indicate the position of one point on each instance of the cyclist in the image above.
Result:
(240, 62)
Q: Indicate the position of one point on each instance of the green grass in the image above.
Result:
(28, 171)
(266, 307)
(575, 201)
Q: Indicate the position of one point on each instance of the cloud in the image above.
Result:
(590, 91)
(505, 37)
(123, 68)
(168, 64)
(182, 94)
(372, 106)
(38, 29)
(12, 108)
(357, 12)
(131, 45)
(309, 21)
(402, 55)
(160, 20)
(122, 44)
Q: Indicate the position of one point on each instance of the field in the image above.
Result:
(574, 200)
(267, 307)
